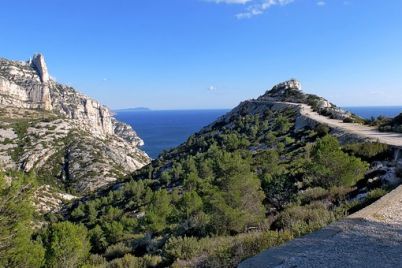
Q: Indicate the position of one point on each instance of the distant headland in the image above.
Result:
(135, 109)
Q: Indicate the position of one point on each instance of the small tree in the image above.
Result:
(158, 211)
(67, 245)
(236, 201)
(330, 166)
(17, 249)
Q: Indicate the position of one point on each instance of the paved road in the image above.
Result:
(389, 138)
(371, 237)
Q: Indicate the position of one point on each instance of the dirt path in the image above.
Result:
(371, 237)
(394, 139)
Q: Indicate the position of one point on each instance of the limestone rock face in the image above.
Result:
(21, 86)
(288, 91)
(290, 84)
(28, 85)
(64, 136)
(38, 62)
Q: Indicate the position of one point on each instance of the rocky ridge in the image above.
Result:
(70, 140)
(291, 91)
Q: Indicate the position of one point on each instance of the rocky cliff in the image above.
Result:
(69, 139)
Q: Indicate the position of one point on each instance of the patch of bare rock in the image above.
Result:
(72, 142)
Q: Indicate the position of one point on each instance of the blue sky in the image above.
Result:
(181, 54)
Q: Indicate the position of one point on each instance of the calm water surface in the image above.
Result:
(162, 130)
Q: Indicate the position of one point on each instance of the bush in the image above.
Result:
(127, 261)
(304, 219)
(348, 120)
(151, 260)
(312, 194)
(375, 194)
(17, 248)
(229, 251)
(181, 247)
(130, 261)
(322, 130)
(369, 150)
(96, 261)
(67, 245)
(371, 197)
(117, 251)
(330, 166)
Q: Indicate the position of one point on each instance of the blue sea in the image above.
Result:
(375, 111)
(163, 130)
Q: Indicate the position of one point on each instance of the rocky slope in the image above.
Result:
(70, 140)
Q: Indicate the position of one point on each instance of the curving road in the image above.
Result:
(372, 237)
(394, 139)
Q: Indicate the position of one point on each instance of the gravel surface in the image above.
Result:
(371, 237)
(389, 138)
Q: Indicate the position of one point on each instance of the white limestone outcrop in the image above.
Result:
(28, 85)
(38, 62)
(60, 133)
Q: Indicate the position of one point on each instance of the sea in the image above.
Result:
(162, 130)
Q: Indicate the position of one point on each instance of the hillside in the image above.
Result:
(347, 243)
(393, 124)
(70, 141)
(259, 176)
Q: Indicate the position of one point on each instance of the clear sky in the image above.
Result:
(180, 54)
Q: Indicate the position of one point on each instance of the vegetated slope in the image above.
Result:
(71, 142)
(258, 176)
(394, 124)
(346, 243)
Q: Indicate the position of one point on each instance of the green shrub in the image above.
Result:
(181, 247)
(339, 193)
(67, 245)
(127, 261)
(17, 248)
(130, 261)
(348, 120)
(96, 260)
(368, 150)
(375, 194)
(152, 260)
(394, 124)
(330, 166)
(322, 130)
(312, 194)
(371, 197)
(304, 219)
(229, 251)
(116, 251)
